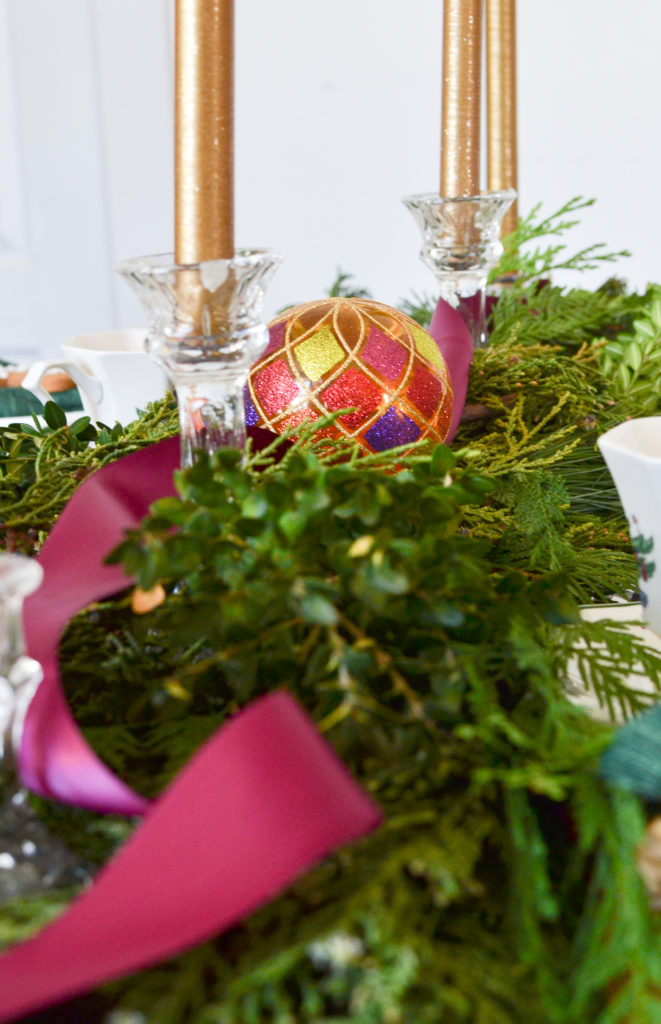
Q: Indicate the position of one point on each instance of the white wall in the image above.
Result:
(338, 116)
(85, 143)
(345, 99)
(589, 88)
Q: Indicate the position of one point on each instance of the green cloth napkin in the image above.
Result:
(19, 402)
(633, 760)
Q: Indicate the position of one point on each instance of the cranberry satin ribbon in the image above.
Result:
(452, 335)
(258, 805)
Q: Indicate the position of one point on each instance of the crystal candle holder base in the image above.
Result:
(460, 245)
(31, 858)
(205, 330)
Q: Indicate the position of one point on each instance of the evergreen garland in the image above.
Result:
(41, 465)
(427, 619)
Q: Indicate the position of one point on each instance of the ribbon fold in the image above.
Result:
(54, 759)
(452, 334)
(259, 804)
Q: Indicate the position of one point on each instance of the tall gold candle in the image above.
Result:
(460, 113)
(501, 102)
(204, 130)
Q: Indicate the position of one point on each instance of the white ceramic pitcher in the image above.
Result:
(632, 451)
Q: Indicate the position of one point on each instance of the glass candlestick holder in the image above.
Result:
(32, 859)
(460, 245)
(205, 330)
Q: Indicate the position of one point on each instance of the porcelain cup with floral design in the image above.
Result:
(632, 451)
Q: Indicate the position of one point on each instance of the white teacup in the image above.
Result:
(632, 451)
(114, 374)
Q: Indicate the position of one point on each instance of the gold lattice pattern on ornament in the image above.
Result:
(342, 353)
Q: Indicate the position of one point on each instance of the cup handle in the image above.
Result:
(92, 387)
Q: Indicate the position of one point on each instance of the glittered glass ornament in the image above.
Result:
(345, 353)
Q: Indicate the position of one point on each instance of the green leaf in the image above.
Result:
(442, 460)
(646, 328)
(80, 426)
(255, 506)
(449, 615)
(54, 415)
(634, 356)
(386, 580)
(292, 523)
(315, 608)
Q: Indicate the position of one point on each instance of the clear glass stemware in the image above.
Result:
(460, 245)
(31, 858)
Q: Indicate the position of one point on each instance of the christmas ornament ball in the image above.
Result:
(342, 353)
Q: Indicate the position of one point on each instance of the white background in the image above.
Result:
(338, 116)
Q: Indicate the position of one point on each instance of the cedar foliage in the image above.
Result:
(426, 618)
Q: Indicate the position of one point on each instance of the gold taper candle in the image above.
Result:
(460, 114)
(204, 130)
(501, 102)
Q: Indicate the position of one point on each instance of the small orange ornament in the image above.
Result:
(352, 353)
(144, 601)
